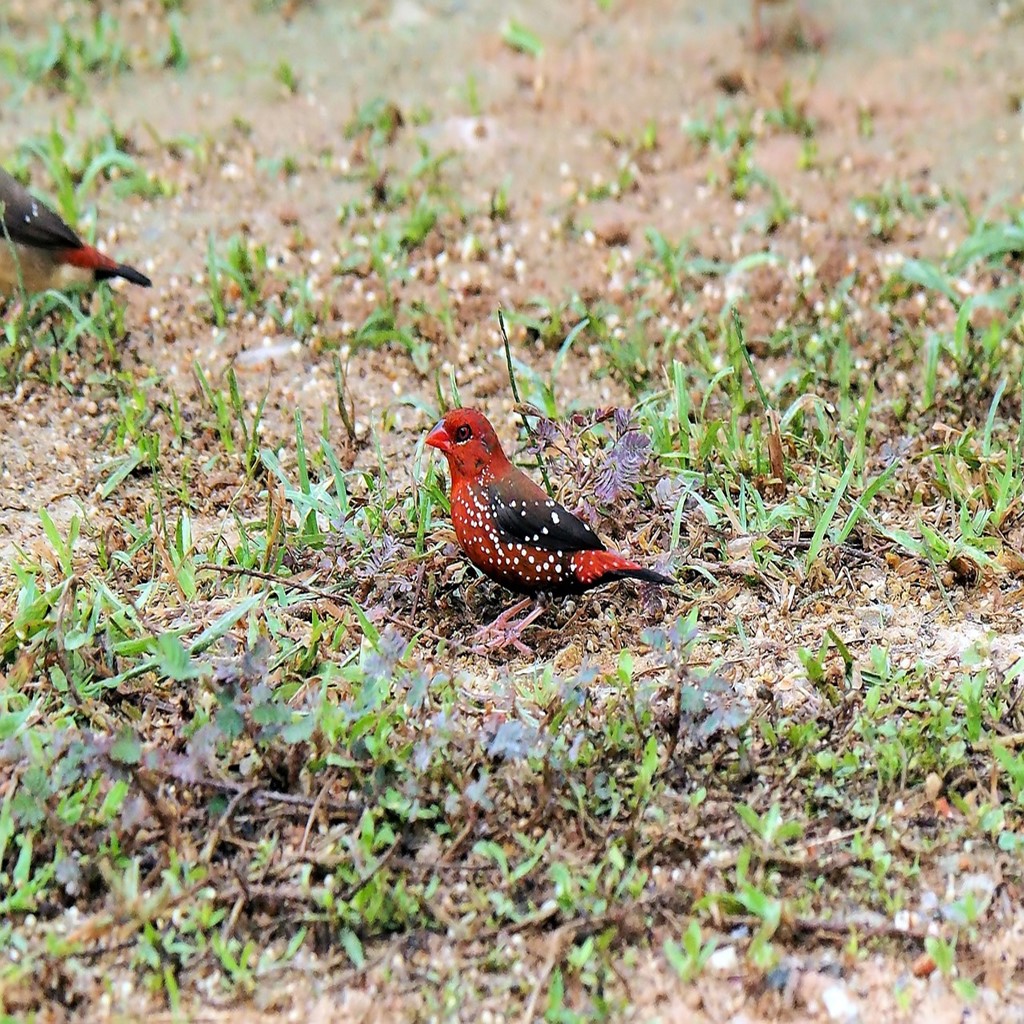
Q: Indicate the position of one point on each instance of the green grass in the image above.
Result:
(292, 642)
(243, 722)
(85, 48)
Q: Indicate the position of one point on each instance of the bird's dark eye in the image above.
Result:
(463, 433)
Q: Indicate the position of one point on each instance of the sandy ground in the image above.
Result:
(940, 83)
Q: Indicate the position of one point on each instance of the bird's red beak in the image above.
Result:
(438, 438)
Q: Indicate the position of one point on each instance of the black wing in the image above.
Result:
(526, 515)
(27, 221)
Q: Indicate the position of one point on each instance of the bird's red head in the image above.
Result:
(469, 444)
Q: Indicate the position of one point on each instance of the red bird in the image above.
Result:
(511, 530)
(39, 251)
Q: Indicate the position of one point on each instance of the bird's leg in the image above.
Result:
(503, 632)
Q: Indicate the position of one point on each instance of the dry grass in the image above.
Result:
(255, 768)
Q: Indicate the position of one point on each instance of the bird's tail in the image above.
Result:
(102, 265)
(647, 575)
(596, 567)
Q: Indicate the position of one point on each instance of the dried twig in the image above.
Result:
(211, 843)
(541, 464)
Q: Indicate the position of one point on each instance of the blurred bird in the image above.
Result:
(39, 251)
(804, 32)
(512, 531)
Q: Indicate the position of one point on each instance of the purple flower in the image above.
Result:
(544, 435)
(666, 493)
(546, 430)
(513, 741)
(382, 551)
(622, 465)
(387, 656)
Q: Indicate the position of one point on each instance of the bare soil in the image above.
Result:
(940, 85)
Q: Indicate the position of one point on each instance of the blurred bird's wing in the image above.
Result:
(27, 221)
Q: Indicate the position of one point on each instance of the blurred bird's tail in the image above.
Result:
(102, 266)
